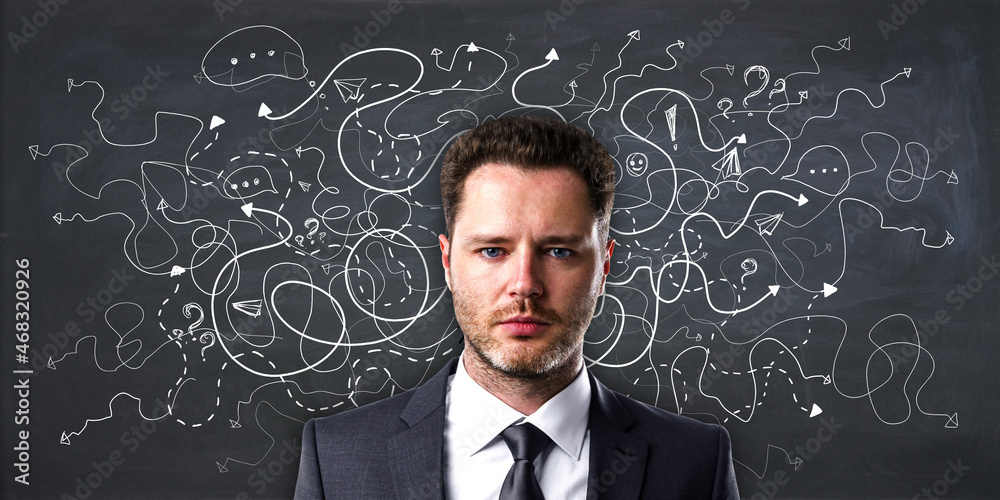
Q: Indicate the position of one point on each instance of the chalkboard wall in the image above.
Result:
(220, 219)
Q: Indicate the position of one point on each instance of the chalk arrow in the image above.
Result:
(730, 68)
(845, 43)
(816, 410)
(176, 271)
(234, 424)
(51, 364)
(634, 35)
(952, 177)
(247, 208)
(264, 110)
(804, 94)
(64, 439)
(510, 37)
(952, 421)
(58, 218)
(216, 121)
(472, 48)
(774, 289)
(436, 52)
(907, 71)
(797, 463)
(826, 380)
(222, 468)
(595, 48)
(829, 289)
(552, 56)
(34, 152)
(69, 85)
(802, 199)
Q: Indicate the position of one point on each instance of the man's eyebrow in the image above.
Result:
(568, 240)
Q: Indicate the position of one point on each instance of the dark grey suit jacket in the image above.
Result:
(394, 449)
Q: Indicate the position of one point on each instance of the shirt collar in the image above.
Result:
(477, 417)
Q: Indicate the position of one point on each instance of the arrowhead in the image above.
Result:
(680, 43)
(216, 121)
(58, 218)
(816, 410)
(952, 177)
(634, 35)
(64, 439)
(804, 94)
(552, 56)
(234, 424)
(826, 380)
(948, 239)
(162, 205)
(198, 77)
(797, 463)
(802, 199)
(595, 48)
(774, 289)
(51, 365)
(176, 271)
(247, 208)
(34, 152)
(510, 37)
(730, 68)
(845, 43)
(952, 421)
(829, 289)
(907, 71)
(742, 139)
(436, 51)
(472, 48)
(264, 110)
(222, 468)
(69, 85)
(572, 84)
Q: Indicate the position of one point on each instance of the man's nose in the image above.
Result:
(526, 280)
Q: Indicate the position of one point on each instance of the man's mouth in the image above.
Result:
(523, 325)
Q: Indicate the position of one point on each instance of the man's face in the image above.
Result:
(525, 265)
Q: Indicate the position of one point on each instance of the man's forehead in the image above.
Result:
(507, 202)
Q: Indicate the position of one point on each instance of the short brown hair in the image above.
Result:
(530, 143)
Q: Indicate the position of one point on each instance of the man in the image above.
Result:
(527, 204)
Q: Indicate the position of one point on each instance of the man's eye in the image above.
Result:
(560, 253)
(491, 253)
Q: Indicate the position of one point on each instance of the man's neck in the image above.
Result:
(524, 394)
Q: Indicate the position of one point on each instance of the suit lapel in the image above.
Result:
(617, 459)
(416, 453)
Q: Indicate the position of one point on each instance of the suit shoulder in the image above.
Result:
(651, 418)
(379, 415)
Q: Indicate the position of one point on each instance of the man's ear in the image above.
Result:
(607, 262)
(446, 258)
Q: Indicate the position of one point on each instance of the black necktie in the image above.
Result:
(525, 442)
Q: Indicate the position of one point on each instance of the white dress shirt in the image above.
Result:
(477, 458)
